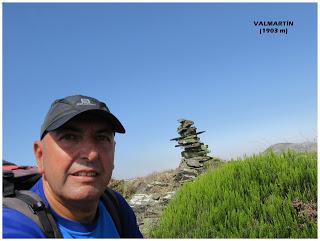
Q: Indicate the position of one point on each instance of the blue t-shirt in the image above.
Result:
(17, 225)
(103, 227)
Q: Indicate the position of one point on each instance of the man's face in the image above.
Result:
(77, 159)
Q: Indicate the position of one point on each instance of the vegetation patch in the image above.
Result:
(262, 196)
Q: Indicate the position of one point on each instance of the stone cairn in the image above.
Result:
(195, 153)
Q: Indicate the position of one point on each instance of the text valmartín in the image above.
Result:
(273, 23)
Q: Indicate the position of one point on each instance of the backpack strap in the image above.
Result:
(112, 204)
(31, 205)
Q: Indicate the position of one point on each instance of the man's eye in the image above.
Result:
(103, 138)
(69, 137)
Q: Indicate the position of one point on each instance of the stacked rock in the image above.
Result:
(195, 153)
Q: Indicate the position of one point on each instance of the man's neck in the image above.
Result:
(79, 211)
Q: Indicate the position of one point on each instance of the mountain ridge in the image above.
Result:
(307, 146)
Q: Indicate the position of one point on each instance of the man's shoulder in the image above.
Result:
(22, 227)
(119, 196)
(128, 218)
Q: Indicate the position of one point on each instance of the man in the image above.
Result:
(75, 157)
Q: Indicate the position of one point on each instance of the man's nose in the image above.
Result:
(89, 150)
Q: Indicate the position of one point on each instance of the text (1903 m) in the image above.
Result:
(273, 30)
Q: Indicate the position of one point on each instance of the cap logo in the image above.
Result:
(85, 102)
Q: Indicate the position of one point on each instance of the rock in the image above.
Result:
(155, 196)
(189, 154)
(189, 140)
(141, 199)
(184, 123)
(191, 172)
(194, 163)
(191, 146)
(168, 196)
(204, 148)
(187, 131)
(205, 159)
(185, 174)
(159, 184)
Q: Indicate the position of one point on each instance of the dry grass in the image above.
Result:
(156, 182)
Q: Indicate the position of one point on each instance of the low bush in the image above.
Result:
(248, 198)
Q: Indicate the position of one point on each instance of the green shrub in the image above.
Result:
(249, 198)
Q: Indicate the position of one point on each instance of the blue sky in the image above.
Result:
(155, 63)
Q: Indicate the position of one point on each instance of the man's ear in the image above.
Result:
(38, 153)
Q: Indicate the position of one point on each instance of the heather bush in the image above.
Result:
(246, 198)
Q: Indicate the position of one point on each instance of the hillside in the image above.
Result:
(297, 147)
(149, 195)
(263, 196)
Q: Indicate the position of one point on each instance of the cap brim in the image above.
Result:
(110, 118)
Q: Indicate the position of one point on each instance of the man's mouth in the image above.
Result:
(86, 174)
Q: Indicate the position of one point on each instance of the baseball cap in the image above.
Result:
(63, 110)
